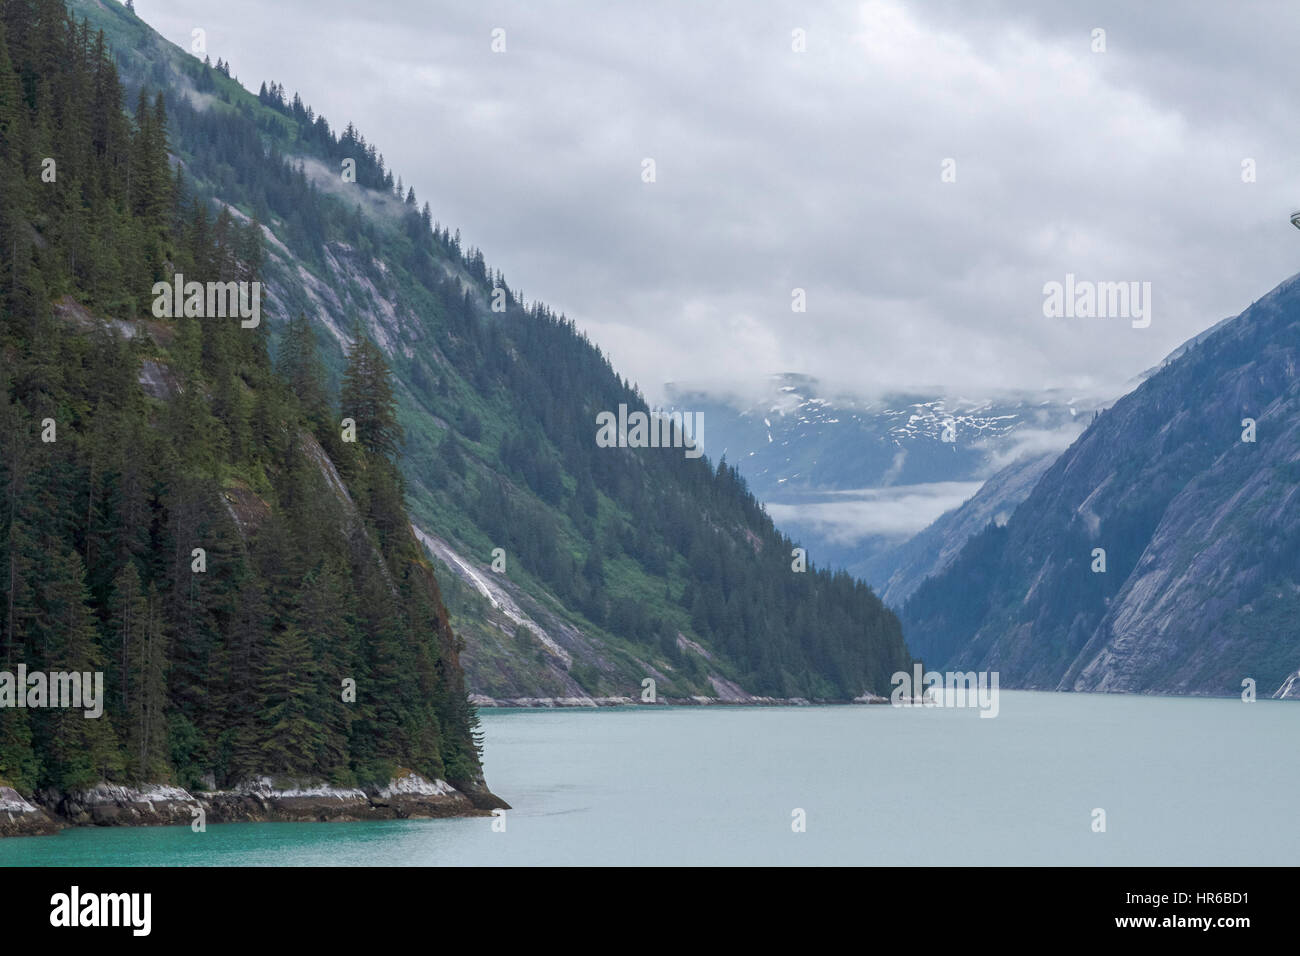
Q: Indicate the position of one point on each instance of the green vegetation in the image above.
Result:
(230, 661)
(497, 409)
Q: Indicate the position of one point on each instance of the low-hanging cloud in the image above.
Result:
(847, 517)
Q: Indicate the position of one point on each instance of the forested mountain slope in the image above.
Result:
(614, 564)
(178, 513)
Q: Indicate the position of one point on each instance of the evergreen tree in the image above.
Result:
(83, 749)
(235, 669)
(367, 398)
(290, 738)
(148, 710)
(299, 364)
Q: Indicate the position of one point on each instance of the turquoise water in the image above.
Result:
(1182, 782)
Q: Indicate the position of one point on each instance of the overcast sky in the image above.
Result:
(821, 169)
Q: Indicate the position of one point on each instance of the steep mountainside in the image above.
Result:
(1200, 528)
(581, 569)
(180, 516)
(902, 569)
(898, 570)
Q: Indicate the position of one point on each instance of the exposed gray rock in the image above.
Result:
(18, 817)
(262, 799)
(1201, 531)
(408, 795)
(110, 804)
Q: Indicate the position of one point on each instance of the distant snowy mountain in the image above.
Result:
(852, 478)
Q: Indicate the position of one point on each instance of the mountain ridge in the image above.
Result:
(625, 548)
(1198, 523)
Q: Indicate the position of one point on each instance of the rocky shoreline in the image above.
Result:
(408, 795)
(544, 703)
(20, 817)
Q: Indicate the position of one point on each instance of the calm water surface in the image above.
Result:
(1200, 782)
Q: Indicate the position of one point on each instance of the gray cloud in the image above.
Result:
(1028, 442)
(821, 170)
(847, 517)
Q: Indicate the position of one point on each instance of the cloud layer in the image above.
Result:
(822, 170)
(896, 512)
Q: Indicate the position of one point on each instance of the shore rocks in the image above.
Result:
(408, 795)
(261, 800)
(110, 804)
(18, 817)
(551, 703)
(480, 796)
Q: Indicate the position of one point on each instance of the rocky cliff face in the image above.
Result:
(1199, 525)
